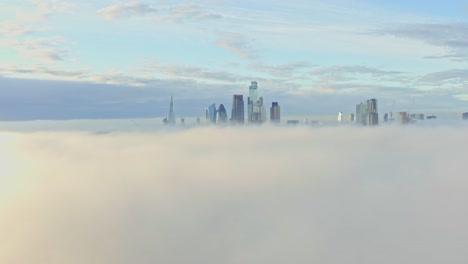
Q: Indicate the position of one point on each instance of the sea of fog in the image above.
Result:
(123, 191)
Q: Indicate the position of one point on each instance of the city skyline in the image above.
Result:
(119, 59)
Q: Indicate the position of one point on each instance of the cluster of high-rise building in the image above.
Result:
(256, 113)
(366, 112)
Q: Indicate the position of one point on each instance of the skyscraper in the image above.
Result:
(465, 116)
(212, 113)
(237, 114)
(275, 112)
(221, 115)
(171, 118)
(257, 113)
(372, 115)
(366, 113)
(361, 114)
(403, 118)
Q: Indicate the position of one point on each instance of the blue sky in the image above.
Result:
(99, 59)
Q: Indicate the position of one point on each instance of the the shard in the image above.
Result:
(171, 117)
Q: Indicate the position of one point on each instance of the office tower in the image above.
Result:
(340, 117)
(207, 115)
(237, 114)
(198, 120)
(361, 114)
(465, 116)
(351, 117)
(385, 117)
(212, 113)
(256, 110)
(372, 115)
(275, 112)
(366, 113)
(171, 118)
(221, 115)
(403, 118)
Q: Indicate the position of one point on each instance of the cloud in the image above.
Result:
(283, 70)
(186, 71)
(123, 10)
(450, 76)
(237, 44)
(452, 36)
(44, 49)
(253, 195)
(173, 13)
(43, 10)
(190, 11)
(353, 69)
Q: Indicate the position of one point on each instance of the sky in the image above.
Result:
(235, 195)
(120, 59)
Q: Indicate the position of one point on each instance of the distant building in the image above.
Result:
(275, 112)
(237, 114)
(292, 122)
(256, 110)
(340, 117)
(212, 113)
(402, 118)
(431, 117)
(182, 121)
(198, 120)
(465, 116)
(385, 117)
(366, 113)
(417, 116)
(351, 117)
(221, 115)
(170, 120)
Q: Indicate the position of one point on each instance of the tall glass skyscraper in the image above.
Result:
(366, 113)
(275, 113)
(212, 113)
(171, 117)
(221, 115)
(237, 114)
(373, 116)
(256, 111)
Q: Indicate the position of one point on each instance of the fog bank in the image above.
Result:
(235, 195)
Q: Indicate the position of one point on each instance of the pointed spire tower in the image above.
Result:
(171, 118)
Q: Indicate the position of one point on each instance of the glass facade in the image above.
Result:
(366, 113)
(221, 115)
(256, 110)
(212, 113)
(275, 112)
(171, 118)
(237, 114)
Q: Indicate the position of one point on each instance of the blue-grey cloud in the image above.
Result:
(452, 76)
(452, 36)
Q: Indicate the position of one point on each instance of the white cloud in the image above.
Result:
(174, 13)
(253, 195)
(127, 9)
(237, 44)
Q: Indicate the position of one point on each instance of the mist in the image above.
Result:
(235, 195)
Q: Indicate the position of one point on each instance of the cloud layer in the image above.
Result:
(253, 195)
